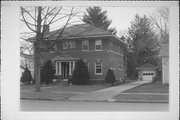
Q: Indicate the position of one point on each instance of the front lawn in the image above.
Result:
(77, 88)
(65, 88)
(149, 88)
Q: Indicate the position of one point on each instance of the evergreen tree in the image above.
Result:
(80, 74)
(98, 18)
(47, 72)
(143, 43)
(26, 76)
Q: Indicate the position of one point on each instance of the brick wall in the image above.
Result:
(109, 56)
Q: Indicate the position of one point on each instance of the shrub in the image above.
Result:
(26, 76)
(47, 72)
(110, 78)
(80, 74)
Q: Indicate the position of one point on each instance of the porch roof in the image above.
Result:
(65, 58)
(147, 66)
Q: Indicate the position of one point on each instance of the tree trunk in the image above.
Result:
(37, 51)
(37, 67)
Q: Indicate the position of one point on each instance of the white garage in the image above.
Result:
(147, 72)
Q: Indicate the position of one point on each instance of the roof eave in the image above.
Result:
(146, 68)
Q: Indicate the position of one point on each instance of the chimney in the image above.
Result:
(46, 27)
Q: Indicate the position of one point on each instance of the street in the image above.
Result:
(45, 105)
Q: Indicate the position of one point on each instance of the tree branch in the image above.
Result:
(28, 13)
(62, 29)
(27, 23)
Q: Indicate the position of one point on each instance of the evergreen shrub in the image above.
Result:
(26, 76)
(80, 74)
(110, 77)
(47, 73)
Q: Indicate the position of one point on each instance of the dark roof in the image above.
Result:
(147, 66)
(164, 51)
(79, 31)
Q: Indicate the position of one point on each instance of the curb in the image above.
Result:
(111, 100)
(140, 101)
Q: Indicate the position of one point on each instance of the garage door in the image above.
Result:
(148, 76)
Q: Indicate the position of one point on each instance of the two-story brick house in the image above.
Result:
(99, 49)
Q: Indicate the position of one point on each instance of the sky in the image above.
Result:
(121, 17)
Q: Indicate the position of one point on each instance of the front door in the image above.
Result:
(65, 70)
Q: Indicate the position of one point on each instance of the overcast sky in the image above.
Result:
(121, 17)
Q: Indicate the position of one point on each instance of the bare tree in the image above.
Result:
(37, 20)
(161, 22)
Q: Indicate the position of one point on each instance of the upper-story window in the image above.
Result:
(98, 45)
(112, 46)
(87, 64)
(53, 48)
(65, 45)
(85, 45)
(71, 44)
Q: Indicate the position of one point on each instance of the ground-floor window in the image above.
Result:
(98, 68)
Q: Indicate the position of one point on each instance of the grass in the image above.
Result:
(149, 88)
(65, 88)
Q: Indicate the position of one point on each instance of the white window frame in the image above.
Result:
(101, 69)
(72, 44)
(97, 44)
(65, 42)
(87, 64)
(83, 41)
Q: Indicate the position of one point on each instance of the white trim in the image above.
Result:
(73, 65)
(82, 45)
(87, 64)
(56, 64)
(101, 45)
(101, 68)
(116, 53)
(72, 42)
(93, 36)
(65, 47)
(70, 68)
(59, 69)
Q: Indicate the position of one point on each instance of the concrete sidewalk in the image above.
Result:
(106, 94)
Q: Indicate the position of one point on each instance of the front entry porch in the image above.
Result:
(64, 66)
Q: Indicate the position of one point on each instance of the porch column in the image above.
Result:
(70, 68)
(73, 64)
(56, 64)
(60, 68)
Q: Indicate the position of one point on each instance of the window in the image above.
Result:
(87, 65)
(54, 48)
(65, 45)
(85, 45)
(98, 68)
(98, 45)
(111, 46)
(71, 44)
